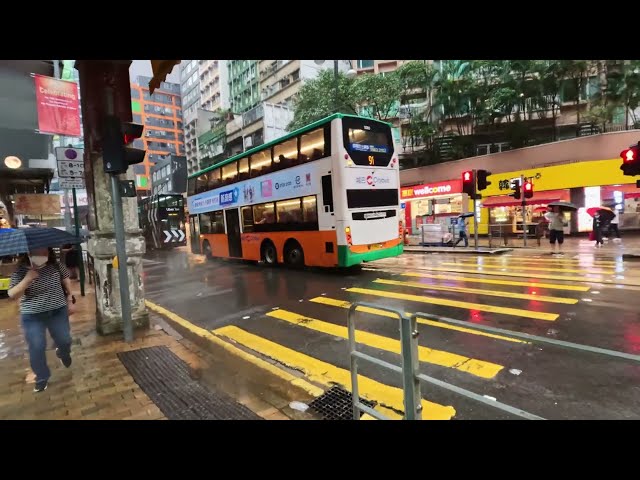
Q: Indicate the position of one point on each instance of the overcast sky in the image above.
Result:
(143, 67)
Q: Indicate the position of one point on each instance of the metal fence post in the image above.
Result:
(355, 394)
(410, 368)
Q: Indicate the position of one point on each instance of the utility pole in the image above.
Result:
(65, 191)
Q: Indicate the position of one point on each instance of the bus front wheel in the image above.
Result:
(293, 254)
(269, 253)
(206, 246)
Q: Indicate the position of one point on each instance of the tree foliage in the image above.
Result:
(464, 97)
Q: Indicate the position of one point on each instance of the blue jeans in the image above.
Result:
(35, 326)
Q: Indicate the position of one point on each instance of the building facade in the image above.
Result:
(161, 115)
(585, 171)
(244, 89)
(169, 175)
(190, 93)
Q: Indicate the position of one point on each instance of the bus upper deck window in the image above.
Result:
(230, 173)
(285, 154)
(312, 145)
(214, 178)
(243, 168)
(261, 163)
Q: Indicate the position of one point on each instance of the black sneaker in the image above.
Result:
(66, 360)
(41, 386)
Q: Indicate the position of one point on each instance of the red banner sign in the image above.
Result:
(58, 106)
(431, 189)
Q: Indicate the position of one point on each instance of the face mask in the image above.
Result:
(39, 260)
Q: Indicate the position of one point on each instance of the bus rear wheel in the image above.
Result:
(293, 254)
(269, 253)
(206, 246)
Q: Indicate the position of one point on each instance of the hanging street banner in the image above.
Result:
(58, 106)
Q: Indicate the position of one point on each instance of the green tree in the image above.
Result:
(549, 73)
(453, 85)
(316, 99)
(576, 71)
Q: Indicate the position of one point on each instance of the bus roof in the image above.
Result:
(289, 135)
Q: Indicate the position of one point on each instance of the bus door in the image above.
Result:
(233, 232)
(194, 233)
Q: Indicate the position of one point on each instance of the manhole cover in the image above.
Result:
(337, 404)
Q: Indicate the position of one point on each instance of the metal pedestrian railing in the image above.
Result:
(410, 370)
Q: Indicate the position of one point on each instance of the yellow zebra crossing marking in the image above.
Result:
(479, 291)
(584, 279)
(488, 281)
(468, 263)
(472, 366)
(517, 312)
(333, 302)
(327, 374)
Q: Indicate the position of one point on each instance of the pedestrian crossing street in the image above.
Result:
(310, 335)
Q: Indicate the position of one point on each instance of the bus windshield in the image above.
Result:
(368, 142)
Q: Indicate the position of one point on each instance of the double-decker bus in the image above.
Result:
(325, 195)
(162, 220)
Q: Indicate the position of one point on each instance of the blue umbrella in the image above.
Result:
(24, 240)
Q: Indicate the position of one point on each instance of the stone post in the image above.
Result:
(98, 79)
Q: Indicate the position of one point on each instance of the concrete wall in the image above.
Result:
(593, 147)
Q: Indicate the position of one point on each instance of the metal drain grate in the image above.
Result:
(337, 404)
(166, 379)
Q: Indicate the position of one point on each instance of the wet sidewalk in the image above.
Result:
(628, 245)
(98, 385)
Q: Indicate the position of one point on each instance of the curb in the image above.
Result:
(495, 251)
(250, 367)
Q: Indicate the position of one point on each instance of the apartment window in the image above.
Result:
(139, 169)
(365, 63)
(135, 93)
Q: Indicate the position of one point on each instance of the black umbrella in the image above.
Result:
(25, 240)
(466, 215)
(563, 205)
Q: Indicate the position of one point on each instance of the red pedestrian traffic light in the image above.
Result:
(630, 161)
(469, 183)
(528, 189)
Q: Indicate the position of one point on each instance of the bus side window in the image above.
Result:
(214, 179)
(230, 173)
(327, 194)
(260, 163)
(205, 223)
(310, 209)
(217, 224)
(312, 145)
(264, 213)
(247, 219)
(289, 211)
(243, 168)
(285, 154)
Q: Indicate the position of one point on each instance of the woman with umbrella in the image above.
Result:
(601, 216)
(43, 287)
(556, 224)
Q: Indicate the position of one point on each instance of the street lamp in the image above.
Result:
(351, 73)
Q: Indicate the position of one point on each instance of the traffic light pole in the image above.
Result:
(524, 213)
(121, 251)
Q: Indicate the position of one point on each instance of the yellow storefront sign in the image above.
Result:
(559, 177)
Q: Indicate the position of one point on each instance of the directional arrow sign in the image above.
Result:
(175, 233)
(168, 236)
(181, 235)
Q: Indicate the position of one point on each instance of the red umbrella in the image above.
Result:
(593, 210)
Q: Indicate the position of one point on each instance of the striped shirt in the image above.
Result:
(45, 292)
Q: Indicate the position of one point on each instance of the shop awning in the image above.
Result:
(631, 194)
(540, 198)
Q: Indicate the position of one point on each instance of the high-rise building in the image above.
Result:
(190, 92)
(161, 115)
(244, 90)
(214, 85)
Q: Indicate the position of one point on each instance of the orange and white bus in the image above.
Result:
(325, 195)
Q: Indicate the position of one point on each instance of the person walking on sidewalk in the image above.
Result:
(597, 230)
(556, 230)
(462, 232)
(613, 228)
(43, 287)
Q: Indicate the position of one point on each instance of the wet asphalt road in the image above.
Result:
(587, 299)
